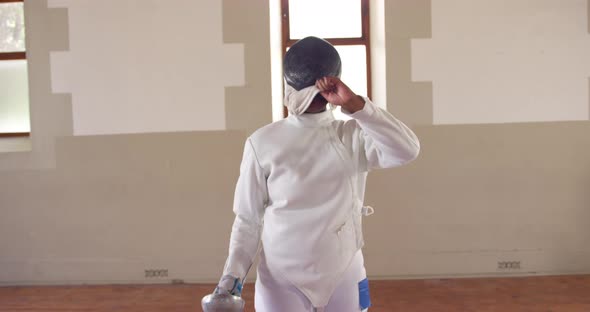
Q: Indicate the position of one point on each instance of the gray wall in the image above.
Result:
(101, 209)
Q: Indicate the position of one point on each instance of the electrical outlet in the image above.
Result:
(509, 265)
(156, 273)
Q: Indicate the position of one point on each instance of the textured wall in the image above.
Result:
(116, 205)
(482, 194)
(249, 107)
(155, 66)
(51, 114)
(102, 208)
(406, 20)
(518, 61)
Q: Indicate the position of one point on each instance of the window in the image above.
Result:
(14, 98)
(345, 24)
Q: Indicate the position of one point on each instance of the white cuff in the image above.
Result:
(365, 113)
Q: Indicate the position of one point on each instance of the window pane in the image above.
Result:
(354, 71)
(12, 27)
(325, 18)
(14, 97)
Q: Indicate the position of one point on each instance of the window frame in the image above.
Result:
(365, 38)
(11, 56)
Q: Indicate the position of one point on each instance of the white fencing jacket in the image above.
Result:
(301, 190)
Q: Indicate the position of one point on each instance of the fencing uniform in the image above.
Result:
(275, 293)
(299, 198)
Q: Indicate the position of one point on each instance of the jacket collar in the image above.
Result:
(308, 120)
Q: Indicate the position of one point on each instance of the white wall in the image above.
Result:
(138, 65)
(101, 209)
(378, 53)
(14, 97)
(518, 61)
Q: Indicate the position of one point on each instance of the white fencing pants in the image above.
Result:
(276, 294)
